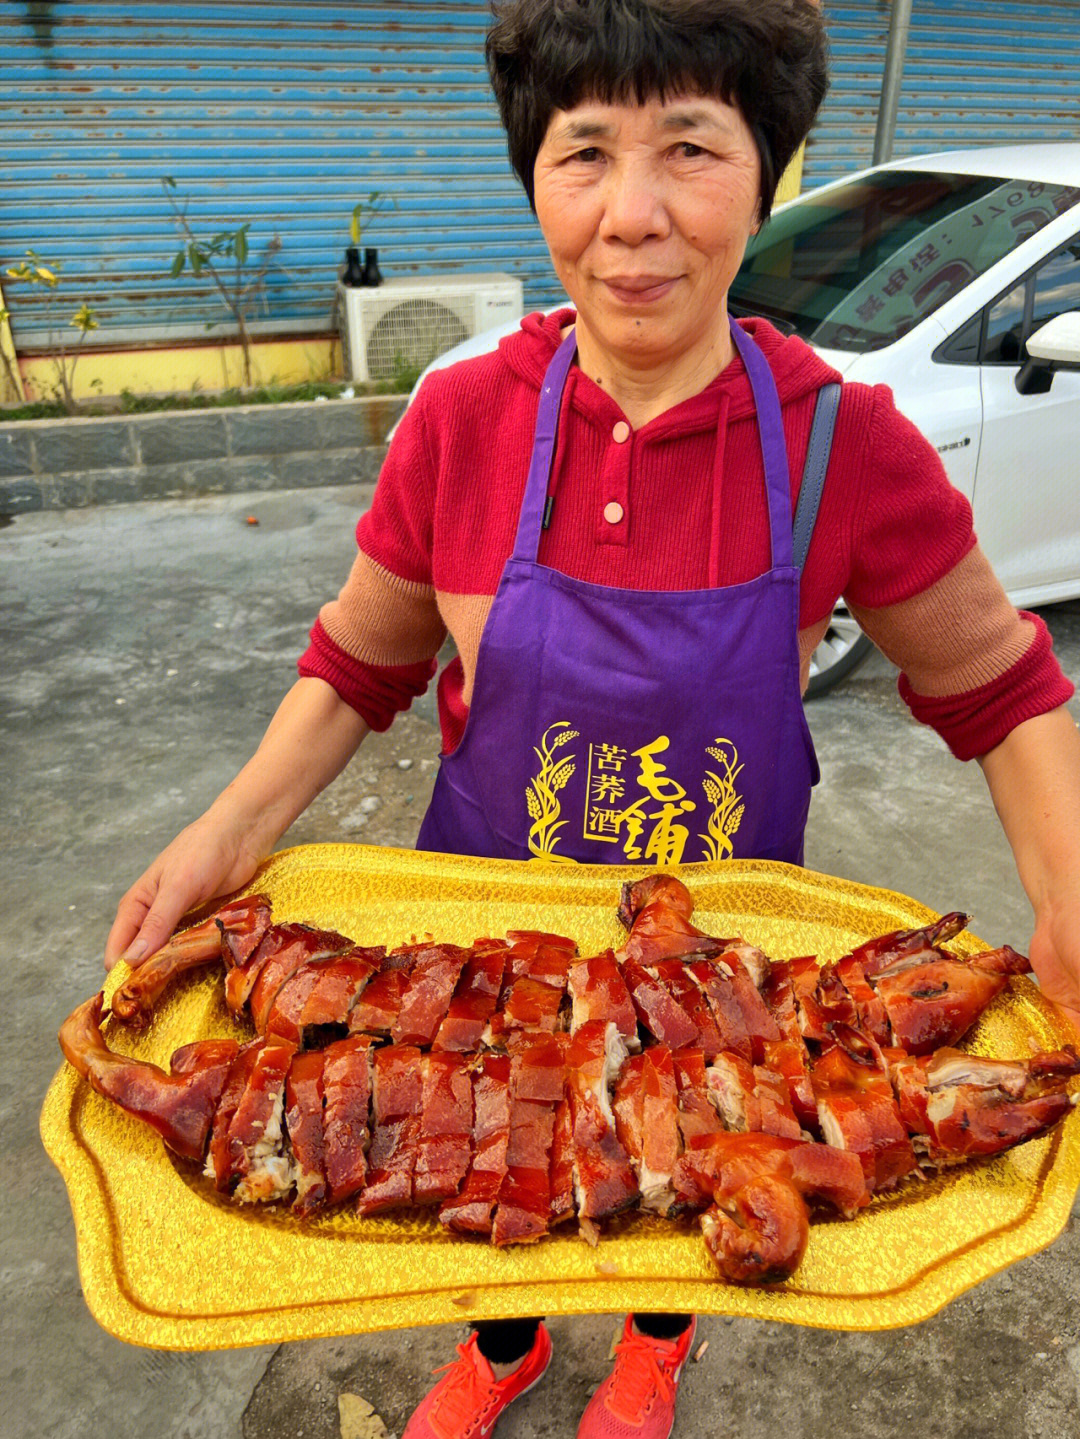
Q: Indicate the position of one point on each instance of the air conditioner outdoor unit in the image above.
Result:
(400, 326)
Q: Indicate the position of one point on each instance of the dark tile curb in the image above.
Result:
(73, 463)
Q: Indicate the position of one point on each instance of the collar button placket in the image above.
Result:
(614, 517)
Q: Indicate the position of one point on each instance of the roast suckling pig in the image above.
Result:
(513, 1084)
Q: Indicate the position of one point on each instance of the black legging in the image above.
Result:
(504, 1341)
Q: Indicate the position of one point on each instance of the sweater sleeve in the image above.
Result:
(376, 644)
(910, 525)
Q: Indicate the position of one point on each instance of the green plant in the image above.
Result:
(224, 257)
(34, 271)
(365, 211)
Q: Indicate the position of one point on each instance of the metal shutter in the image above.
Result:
(977, 72)
(284, 114)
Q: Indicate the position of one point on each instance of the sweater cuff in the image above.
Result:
(376, 692)
(974, 722)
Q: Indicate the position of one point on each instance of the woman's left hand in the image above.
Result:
(1034, 777)
(1055, 955)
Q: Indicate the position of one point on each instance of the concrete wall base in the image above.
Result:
(71, 463)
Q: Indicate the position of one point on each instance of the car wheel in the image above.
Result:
(842, 649)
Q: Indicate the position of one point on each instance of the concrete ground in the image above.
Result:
(145, 648)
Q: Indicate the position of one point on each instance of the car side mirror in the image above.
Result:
(1053, 345)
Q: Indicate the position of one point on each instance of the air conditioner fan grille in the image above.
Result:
(409, 336)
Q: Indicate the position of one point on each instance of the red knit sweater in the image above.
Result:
(893, 536)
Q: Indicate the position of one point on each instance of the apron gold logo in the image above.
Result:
(647, 826)
(727, 805)
(541, 791)
(606, 819)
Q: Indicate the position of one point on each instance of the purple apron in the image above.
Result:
(634, 726)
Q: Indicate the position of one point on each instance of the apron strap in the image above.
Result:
(813, 480)
(531, 519)
(773, 448)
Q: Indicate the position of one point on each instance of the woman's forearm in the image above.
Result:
(1034, 778)
(309, 741)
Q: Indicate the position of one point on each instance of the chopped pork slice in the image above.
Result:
(446, 1121)
(304, 1121)
(347, 1082)
(396, 1090)
(604, 1181)
(714, 981)
(340, 981)
(675, 974)
(524, 1210)
(661, 1146)
(301, 945)
(628, 1107)
(432, 981)
(562, 1165)
(257, 1162)
(598, 991)
(697, 1116)
(474, 1000)
(731, 1087)
(471, 1211)
(657, 1008)
(377, 1008)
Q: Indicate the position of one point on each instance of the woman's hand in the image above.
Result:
(1055, 955)
(205, 860)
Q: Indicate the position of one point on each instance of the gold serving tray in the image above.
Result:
(166, 1262)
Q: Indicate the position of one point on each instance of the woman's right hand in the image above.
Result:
(205, 860)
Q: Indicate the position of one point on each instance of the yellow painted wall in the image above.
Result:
(207, 368)
(791, 180)
(9, 372)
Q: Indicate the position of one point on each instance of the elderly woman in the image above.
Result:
(601, 515)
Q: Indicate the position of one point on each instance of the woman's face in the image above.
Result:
(647, 210)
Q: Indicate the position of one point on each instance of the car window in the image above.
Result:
(1005, 328)
(1053, 288)
(1057, 285)
(858, 266)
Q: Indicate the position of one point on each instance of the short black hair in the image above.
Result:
(768, 58)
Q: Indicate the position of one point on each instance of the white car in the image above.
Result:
(955, 279)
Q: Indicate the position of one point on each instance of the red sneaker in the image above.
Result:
(637, 1399)
(467, 1402)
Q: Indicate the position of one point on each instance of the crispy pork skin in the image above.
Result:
(180, 1106)
(604, 1181)
(346, 1133)
(474, 1000)
(426, 998)
(446, 1122)
(397, 1087)
(304, 1123)
(471, 1211)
